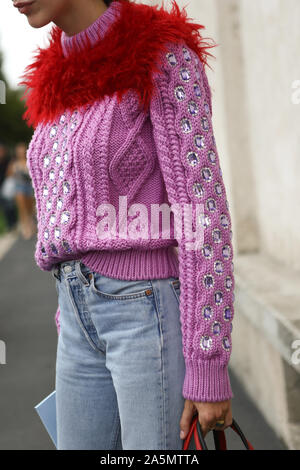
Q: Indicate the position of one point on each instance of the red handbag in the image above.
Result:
(219, 437)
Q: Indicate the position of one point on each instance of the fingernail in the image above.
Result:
(181, 434)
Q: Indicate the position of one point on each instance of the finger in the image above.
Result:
(186, 421)
(206, 426)
(205, 431)
(227, 423)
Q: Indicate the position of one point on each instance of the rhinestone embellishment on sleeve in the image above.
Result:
(204, 184)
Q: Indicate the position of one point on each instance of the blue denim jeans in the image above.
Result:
(120, 365)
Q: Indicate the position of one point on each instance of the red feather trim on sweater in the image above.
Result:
(123, 59)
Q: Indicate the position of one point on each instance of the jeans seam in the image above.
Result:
(116, 426)
(162, 342)
(174, 287)
(91, 343)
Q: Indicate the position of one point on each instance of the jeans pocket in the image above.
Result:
(118, 289)
(175, 285)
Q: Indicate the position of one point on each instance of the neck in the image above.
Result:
(80, 16)
(95, 30)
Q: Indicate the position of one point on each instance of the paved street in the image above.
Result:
(27, 305)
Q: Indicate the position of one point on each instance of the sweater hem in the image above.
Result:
(134, 264)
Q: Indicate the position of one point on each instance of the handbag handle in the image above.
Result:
(219, 437)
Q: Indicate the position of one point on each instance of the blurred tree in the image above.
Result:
(12, 127)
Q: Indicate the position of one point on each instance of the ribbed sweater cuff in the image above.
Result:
(206, 381)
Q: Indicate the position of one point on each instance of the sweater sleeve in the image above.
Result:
(181, 116)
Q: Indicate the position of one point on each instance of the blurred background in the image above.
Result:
(255, 81)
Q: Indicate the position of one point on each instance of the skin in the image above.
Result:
(73, 16)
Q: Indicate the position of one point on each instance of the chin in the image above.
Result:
(37, 22)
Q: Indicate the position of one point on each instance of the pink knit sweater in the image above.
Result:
(89, 166)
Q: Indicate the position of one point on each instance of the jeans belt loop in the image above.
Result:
(80, 274)
(55, 273)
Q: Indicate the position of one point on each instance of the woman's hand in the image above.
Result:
(208, 414)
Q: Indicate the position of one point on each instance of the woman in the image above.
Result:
(24, 194)
(122, 113)
(7, 188)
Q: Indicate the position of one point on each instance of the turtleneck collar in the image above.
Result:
(93, 32)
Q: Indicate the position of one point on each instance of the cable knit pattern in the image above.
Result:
(97, 154)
